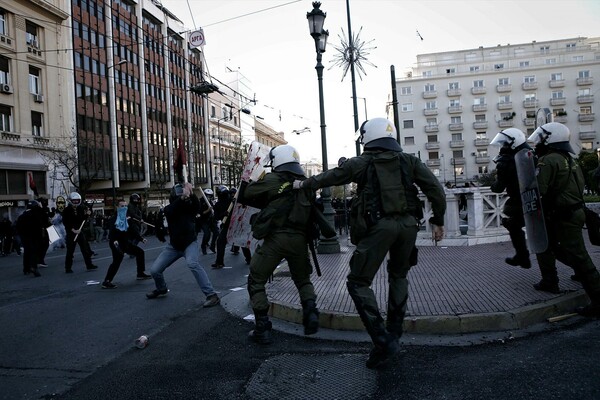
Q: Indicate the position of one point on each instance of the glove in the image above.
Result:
(437, 233)
(187, 190)
(297, 184)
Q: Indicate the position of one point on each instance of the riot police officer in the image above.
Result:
(385, 218)
(561, 185)
(74, 216)
(512, 141)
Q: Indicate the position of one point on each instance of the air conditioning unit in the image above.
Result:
(5, 88)
(38, 98)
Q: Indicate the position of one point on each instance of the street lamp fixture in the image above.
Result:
(316, 19)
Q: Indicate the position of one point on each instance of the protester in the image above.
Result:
(31, 226)
(74, 217)
(388, 211)
(205, 219)
(5, 236)
(561, 183)
(222, 209)
(512, 141)
(183, 242)
(121, 240)
(284, 237)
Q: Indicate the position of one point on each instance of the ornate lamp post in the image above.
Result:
(316, 19)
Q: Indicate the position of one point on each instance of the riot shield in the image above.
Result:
(537, 238)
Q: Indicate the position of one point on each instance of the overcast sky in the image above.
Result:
(272, 48)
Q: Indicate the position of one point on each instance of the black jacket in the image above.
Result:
(181, 216)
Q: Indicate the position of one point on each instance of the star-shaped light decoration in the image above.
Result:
(348, 54)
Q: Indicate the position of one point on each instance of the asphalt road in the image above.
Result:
(64, 338)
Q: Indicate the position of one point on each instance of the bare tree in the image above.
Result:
(235, 162)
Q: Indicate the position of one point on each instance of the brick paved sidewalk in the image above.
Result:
(451, 290)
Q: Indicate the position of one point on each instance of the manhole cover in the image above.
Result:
(334, 376)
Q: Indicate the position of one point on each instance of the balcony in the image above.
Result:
(432, 145)
(454, 109)
(10, 136)
(560, 118)
(457, 143)
(588, 80)
(588, 98)
(530, 103)
(478, 90)
(430, 111)
(587, 135)
(503, 88)
(529, 121)
(456, 126)
(506, 123)
(435, 162)
(557, 83)
(480, 125)
(457, 161)
(529, 85)
(430, 94)
(431, 128)
(507, 105)
(482, 142)
(479, 107)
(482, 160)
(453, 92)
(558, 101)
(41, 140)
(586, 117)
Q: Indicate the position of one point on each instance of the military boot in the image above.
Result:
(386, 347)
(261, 333)
(310, 317)
(519, 261)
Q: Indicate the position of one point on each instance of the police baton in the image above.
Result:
(311, 245)
(80, 228)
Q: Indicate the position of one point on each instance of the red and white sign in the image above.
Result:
(197, 38)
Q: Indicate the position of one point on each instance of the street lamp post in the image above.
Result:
(113, 129)
(225, 118)
(316, 18)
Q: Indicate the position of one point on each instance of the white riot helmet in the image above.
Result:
(208, 192)
(512, 137)
(378, 133)
(285, 158)
(75, 198)
(554, 135)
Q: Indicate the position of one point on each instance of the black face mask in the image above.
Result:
(541, 149)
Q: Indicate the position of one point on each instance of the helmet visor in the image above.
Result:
(501, 139)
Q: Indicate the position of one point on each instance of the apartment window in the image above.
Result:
(483, 169)
(34, 80)
(478, 83)
(426, 73)
(431, 121)
(37, 127)
(456, 120)
(474, 68)
(432, 138)
(577, 58)
(504, 99)
(479, 101)
(454, 103)
(457, 153)
(213, 112)
(457, 136)
(31, 34)
(479, 117)
(529, 79)
(557, 76)
(550, 61)
(3, 27)
(431, 105)
(530, 97)
(430, 87)
(434, 155)
(523, 64)
(571, 46)
(5, 118)
(480, 135)
(499, 66)
(453, 85)
(545, 49)
(4, 71)
(557, 94)
(406, 90)
(585, 110)
(506, 116)
(409, 140)
(583, 92)
(584, 74)
(408, 123)
(503, 81)
(407, 107)
(450, 70)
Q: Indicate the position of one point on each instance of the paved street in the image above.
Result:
(66, 338)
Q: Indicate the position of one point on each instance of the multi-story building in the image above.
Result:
(453, 103)
(266, 135)
(35, 99)
(133, 73)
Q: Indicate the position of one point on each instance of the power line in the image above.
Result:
(251, 13)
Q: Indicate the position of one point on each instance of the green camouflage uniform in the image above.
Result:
(287, 241)
(394, 233)
(561, 188)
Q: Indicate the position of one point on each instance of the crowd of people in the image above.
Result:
(385, 216)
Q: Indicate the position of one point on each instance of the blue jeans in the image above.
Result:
(169, 255)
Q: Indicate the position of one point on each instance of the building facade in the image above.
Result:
(451, 104)
(35, 99)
